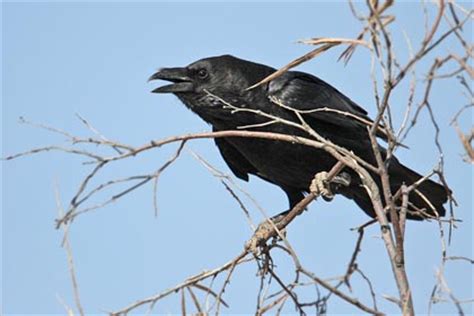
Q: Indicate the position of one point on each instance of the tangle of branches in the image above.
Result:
(388, 72)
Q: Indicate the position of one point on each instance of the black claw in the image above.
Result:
(327, 198)
(340, 181)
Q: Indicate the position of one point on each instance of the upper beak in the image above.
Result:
(179, 77)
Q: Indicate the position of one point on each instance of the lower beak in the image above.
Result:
(179, 77)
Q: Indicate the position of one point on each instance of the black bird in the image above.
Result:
(214, 88)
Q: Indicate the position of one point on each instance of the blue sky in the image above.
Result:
(59, 59)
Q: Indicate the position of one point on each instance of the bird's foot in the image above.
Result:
(321, 186)
(265, 231)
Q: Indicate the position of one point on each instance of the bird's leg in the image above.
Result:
(323, 183)
(321, 186)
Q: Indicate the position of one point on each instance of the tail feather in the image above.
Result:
(424, 202)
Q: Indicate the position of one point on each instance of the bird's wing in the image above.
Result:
(234, 159)
(304, 92)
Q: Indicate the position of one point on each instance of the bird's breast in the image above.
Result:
(284, 163)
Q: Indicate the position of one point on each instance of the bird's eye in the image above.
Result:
(202, 73)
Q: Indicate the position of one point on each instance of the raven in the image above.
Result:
(216, 89)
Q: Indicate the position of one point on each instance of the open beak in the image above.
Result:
(179, 78)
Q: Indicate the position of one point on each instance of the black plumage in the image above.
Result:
(210, 85)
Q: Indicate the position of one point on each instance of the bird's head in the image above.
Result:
(205, 84)
(225, 73)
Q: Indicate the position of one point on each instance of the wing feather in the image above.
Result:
(305, 92)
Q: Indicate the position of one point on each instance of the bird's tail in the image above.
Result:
(426, 201)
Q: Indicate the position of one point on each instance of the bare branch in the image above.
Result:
(70, 259)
